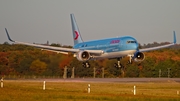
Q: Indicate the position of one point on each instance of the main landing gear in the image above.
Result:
(86, 65)
(130, 60)
(118, 64)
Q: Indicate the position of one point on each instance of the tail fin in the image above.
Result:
(76, 34)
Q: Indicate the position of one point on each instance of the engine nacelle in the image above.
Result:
(83, 56)
(139, 56)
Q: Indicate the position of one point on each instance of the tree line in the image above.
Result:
(24, 60)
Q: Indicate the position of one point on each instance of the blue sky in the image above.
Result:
(41, 20)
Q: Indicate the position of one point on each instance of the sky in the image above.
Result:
(39, 21)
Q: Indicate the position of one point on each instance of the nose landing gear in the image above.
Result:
(130, 59)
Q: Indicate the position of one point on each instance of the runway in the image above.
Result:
(105, 80)
(120, 80)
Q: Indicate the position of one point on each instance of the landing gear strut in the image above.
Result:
(86, 65)
(130, 60)
(118, 64)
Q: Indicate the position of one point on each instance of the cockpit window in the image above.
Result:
(131, 41)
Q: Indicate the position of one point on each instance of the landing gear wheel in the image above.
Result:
(115, 65)
(86, 65)
(83, 64)
(118, 65)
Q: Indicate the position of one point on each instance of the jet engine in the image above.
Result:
(83, 56)
(139, 56)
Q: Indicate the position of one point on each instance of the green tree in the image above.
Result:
(132, 71)
(175, 71)
(111, 70)
(148, 67)
(38, 66)
(53, 67)
(170, 64)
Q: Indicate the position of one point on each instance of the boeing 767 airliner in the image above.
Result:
(111, 48)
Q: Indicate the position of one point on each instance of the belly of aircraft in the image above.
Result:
(115, 54)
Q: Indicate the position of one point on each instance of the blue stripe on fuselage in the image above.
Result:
(110, 45)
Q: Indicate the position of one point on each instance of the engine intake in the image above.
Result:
(83, 56)
(139, 56)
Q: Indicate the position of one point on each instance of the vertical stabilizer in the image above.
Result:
(76, 34)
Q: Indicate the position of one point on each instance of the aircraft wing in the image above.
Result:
(54, 49)
(159, 47)
(155, 48)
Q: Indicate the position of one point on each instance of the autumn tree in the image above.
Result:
(25, 60)
(53, 67)
(38, 66)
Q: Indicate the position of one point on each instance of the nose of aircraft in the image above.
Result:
(136, 46)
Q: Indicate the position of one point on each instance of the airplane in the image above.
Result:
(111, 48)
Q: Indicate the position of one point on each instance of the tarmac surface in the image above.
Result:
(105, 80)
(120, 80)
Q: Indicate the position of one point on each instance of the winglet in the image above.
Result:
(174, 37)
(9, 36)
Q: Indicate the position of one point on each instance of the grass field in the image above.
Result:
(77, 91)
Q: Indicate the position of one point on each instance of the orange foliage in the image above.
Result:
(102, 63)
(140, 67)
(66, 61)
(164, 55)
(3, 58)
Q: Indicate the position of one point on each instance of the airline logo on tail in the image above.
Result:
(76, 35)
